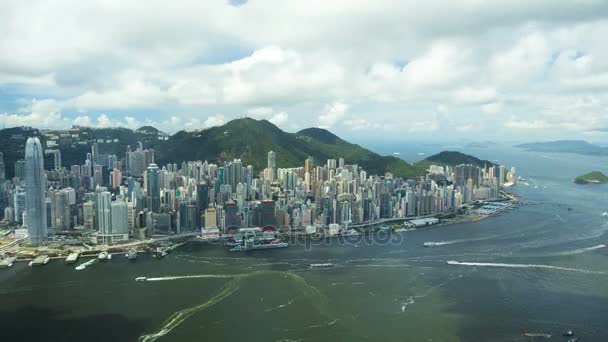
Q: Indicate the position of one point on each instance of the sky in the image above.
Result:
(431, 70)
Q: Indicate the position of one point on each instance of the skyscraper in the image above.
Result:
(2, 167)
(153, 188)
(202, 202)
(272, 164)
(35, 186)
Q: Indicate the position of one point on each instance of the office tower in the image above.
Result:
(231, 218)
(20, 169)
(95, 153)
(116, 178)
(267, 219)
(188, 217)
(119, 218)
(153, 188)
(103, 214)
(19, 199)
(341, 163)
(202, 202)
(2, 167)
(210, 218)
(60, 209)
(35, 186)
(272, 164)
(88, 215)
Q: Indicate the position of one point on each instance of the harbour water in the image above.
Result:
(540, 268)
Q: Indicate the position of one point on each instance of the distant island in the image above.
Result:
(594, 177)
(566, 146)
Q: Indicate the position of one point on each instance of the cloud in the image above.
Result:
(540, 64)
(333, 113)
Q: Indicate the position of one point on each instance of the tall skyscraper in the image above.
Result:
(20, 169)
(153, 188)
(119, 217)
(272, 164)
(103, 213)
(202, 202)
(2, 167)
(35, 186)
(95, 153)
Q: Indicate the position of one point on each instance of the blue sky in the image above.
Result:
(477, 70)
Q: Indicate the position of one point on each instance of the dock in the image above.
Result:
(72, 258)
(7, 262)
(40, 260)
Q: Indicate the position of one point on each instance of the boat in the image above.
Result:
(72, 257)
(102, 255)
(7, 262)
(109, 256)
(132, 255)
(543, 335)
(141, 279)
(40, 260)
(85, 264)
(568, 333)
(250, 245)
(574, 339)
(324, 265)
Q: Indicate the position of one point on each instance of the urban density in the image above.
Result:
(110, 199)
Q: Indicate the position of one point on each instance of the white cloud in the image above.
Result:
(333, 113)
(285, 62)
(214, 120)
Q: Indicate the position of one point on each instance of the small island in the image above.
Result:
(594, 177)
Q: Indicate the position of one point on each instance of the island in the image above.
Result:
(594, 177)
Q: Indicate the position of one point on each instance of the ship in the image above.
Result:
(85, 265)
(40, 260)
(324, 265)
(7, 262)
(72, 257)
(102, 255)
(132, 255)
(250, 245)
(141, 279)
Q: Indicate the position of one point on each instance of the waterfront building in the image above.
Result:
(153, 188)
(35, 187)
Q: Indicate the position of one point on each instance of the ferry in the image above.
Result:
(250, 245)
(141, 279)
(132, 255)
(102, 255)
(325, 265)
(72, 257)
(40, 260)
(85, 265)
(7, 262)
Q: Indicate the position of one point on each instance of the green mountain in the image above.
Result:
(246, 139)
(453, 158)
(250, 140)
(594, 177)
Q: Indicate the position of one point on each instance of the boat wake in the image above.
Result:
(281, 306)
(550, 267)
(577, 251)
(196, 276)
(409, 301)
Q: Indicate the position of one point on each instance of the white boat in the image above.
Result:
(102, 255)
(109, 256)
(141, 279)
(40, 260)
(84, 265)
(324, 265)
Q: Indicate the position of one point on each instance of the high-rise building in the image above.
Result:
(119, 218)
(20, 169)
(95, 153)
(60, 209)
(153, 188)
(210, 218)
(2, 167)
(272, 164)
(19, 200)
(35, 187)
(202, 202)
(103, 214)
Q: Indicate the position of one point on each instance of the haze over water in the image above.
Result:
(542, 267)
